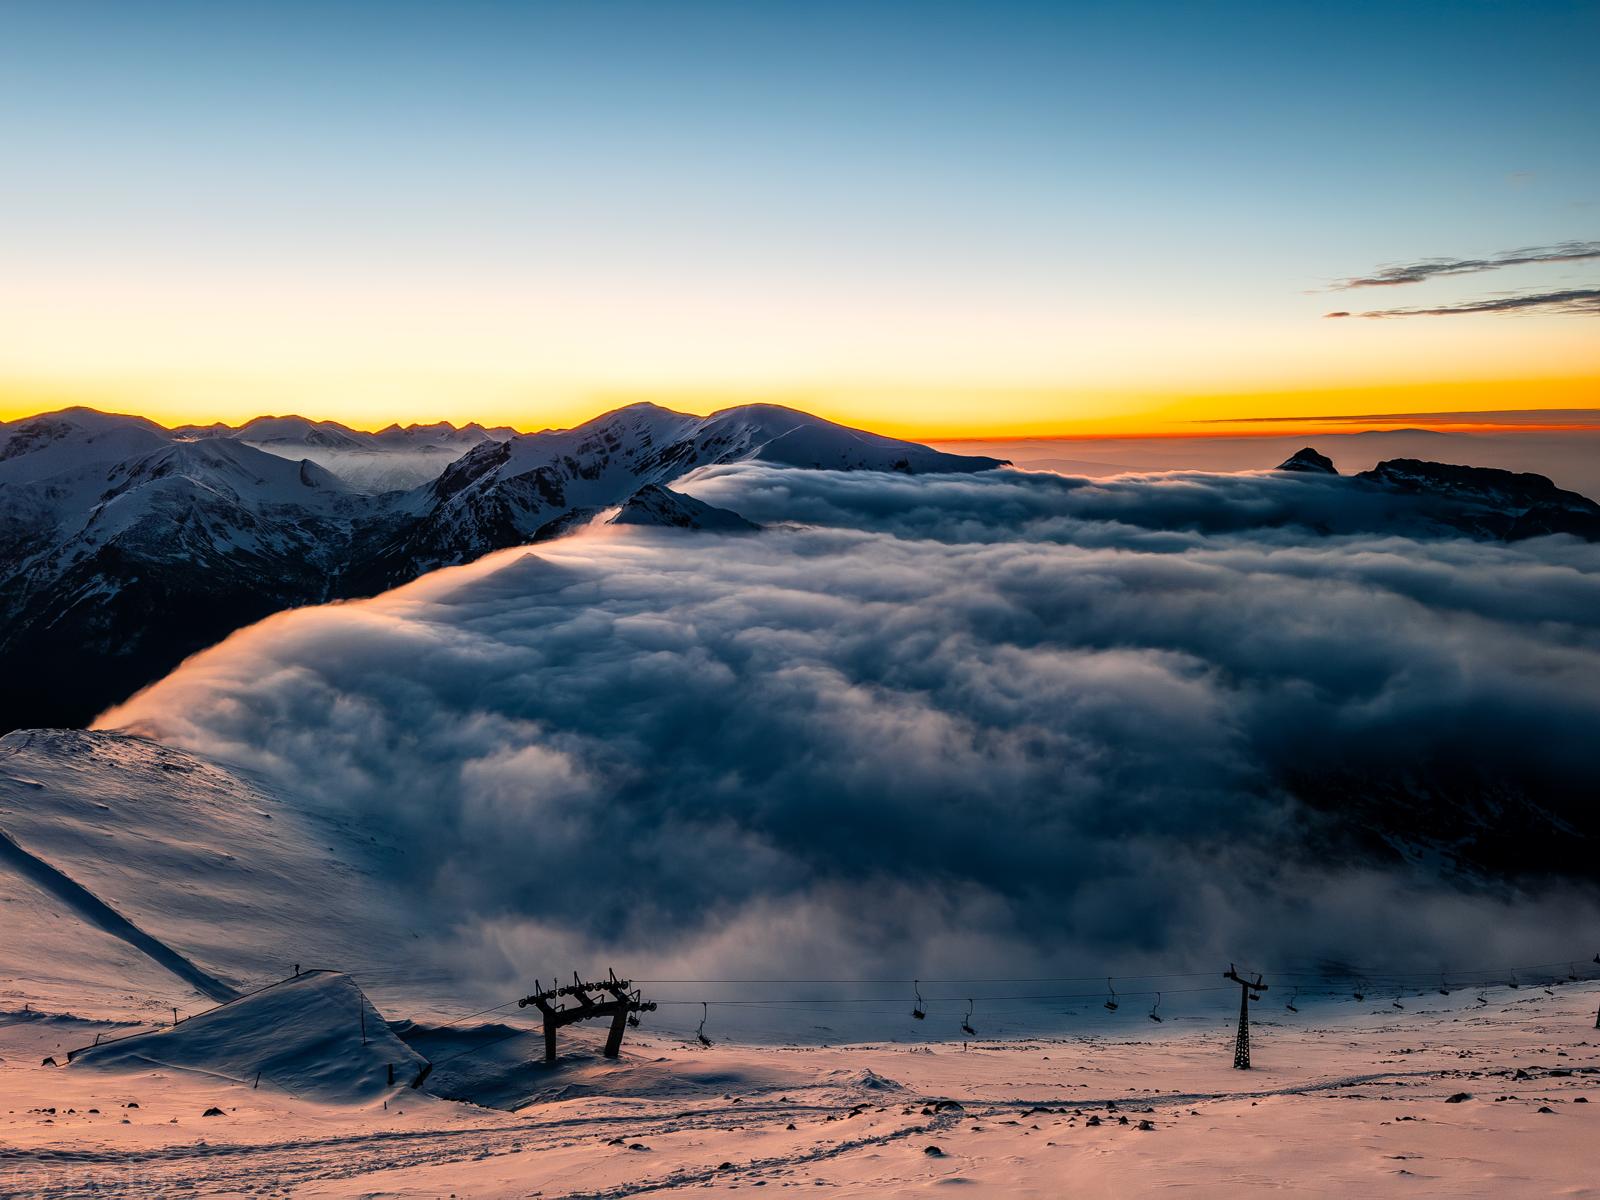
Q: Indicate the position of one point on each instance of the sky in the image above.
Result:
(930, 219)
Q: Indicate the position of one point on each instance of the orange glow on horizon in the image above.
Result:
(922, 413)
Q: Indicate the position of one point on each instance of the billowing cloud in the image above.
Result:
(1571, 301)
(1433, 268)
(923, 726)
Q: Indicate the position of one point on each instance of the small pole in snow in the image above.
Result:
(363, 1024)
(174, 1016)
(258, 1079)
(391, 1077)
(297, 970)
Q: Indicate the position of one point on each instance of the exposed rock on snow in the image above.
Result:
(1487, 502)
(1309, 461)
(656, 505)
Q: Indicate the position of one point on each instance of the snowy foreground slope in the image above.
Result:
(137, 878)
(1446, 1099)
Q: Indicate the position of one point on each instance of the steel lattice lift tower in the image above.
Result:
(1241, 1045)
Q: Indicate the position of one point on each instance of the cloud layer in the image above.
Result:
(934, 725)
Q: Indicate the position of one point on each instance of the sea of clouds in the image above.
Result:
(938, 725)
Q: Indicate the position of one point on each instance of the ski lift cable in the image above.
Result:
(1364, 978)
(1373, 975)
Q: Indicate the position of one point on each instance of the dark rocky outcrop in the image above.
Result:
(1309, 461)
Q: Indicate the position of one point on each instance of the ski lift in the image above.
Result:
(1255, 995)
(700, 1034)
(1396, 1000)
(917, 1010)
(1289, 1004)
(633, 1017)
(1514, 982)
(1359, 991)
(1154, 1015)
(966, 1022)
(1444, 986)
(1111, 1000)
(1482, 1000)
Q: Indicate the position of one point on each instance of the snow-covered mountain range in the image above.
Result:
(125, 546)
(392, 459)
(503, 493)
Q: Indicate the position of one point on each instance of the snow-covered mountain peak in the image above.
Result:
(237, 470)
(65, 442)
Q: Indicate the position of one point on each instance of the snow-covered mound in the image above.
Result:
(315, 1036)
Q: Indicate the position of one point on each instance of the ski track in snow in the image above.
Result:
(281, 1168)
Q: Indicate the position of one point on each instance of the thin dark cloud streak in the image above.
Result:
(1432, 268)
(1509, 417)
(1570, 302)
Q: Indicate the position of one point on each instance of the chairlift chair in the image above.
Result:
(1111, 1000)
(917, 1010)
(966, 1022)
(700, 1034)
(1154, 1015)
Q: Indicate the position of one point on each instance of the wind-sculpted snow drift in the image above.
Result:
(920, 724)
